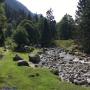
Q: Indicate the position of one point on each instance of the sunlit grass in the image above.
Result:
(64, 43)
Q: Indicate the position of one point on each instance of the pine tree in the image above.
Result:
(2, 23)
(1, 1)
(65, 27)
(83, 22)
(51, 22)
(46, 34)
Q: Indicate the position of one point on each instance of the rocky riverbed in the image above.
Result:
(71, 68)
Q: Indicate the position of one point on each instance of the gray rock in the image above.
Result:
(17, 58)
(22, 63)
(34, 58)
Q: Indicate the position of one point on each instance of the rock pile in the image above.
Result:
(20, 61)
(71, 68)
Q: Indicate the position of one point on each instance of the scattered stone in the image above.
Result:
(36, 65)
(32, 75)
(37, 74)
(79, 82)
(88, 81)
(34, 58)
(26, 48)
(22, 63)
(56, 72)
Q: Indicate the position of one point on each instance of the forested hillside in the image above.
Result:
(20, 23)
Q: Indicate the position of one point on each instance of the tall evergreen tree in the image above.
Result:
(65, 27)
(1, 1)
(46, 34)
(2, 23)
(83, 22)
(51, 22)
(49, 15)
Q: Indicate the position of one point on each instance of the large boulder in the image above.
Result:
(88, 81)
(80, 82)
(26, 48)
(45, 49)
(17, 58)
(34, 58)
(22, 63)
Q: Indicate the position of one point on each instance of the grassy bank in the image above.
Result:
(66, 44)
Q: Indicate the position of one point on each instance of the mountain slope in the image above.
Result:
(16, 5)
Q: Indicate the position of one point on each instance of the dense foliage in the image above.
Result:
(27, 29)
(66, 27)
(2, 23)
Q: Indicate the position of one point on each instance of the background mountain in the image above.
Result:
(16, 12)
(17, 6)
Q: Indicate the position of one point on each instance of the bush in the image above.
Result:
(10, 44)
(21, 36)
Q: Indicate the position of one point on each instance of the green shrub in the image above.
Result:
(10, 44)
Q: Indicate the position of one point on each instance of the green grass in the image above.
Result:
(66, 44)
(26, 78)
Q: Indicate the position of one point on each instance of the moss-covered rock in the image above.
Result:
(34, 58)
